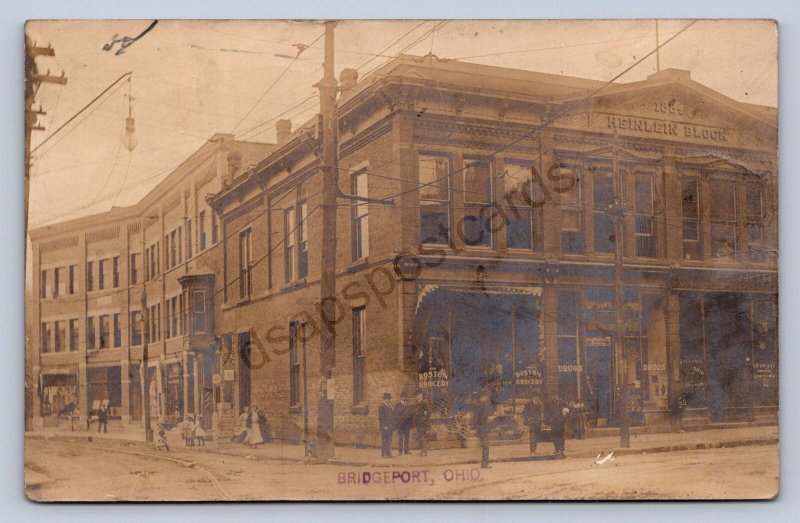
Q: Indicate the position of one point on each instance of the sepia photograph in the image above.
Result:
(422, 260)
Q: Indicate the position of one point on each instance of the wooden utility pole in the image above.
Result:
(618, 214)
(33, 80)
(328, 88)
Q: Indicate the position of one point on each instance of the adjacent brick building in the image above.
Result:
(89, 276)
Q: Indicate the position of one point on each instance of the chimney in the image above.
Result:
(347, 79)
(234, 163)
(283, 129)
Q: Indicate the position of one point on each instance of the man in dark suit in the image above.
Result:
(532, 415)
(422, 422)
(403, 418)
(555, 411)
(386, 425)
(483, 410)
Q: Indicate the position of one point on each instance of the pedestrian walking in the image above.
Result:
(102, 419)
(261, 422)
(253, 437)
(555, 413)
(240, 431)
(198, 432)
(403, 418)
(532, 416)
(386, 425)
(579, 422)
(422, 422)
(187, 430)
(482, 412)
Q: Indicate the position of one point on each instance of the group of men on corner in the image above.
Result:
(545, 422)
(401, 418)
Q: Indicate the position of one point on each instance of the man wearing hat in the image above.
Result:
(422, 422)
(386, 425)
(403, 418)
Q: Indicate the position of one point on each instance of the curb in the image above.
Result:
(471, 461)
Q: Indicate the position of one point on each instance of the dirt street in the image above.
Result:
(110, 471)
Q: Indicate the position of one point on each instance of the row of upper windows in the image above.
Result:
(585, 198)
(105, 330)
(295, 242)
(102, 274)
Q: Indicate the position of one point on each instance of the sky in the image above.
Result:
(192, 79)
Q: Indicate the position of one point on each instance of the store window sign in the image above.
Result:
(433, 379)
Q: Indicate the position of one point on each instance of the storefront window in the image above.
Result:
(567, 333)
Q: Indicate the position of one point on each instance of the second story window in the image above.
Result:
(524, 199)
(360, 216)
(644, 216)
(104, 331)
(73, 284)
(289, 251)
(134, 268)
(57, 283)
(117, 331)
(604, 240)
(199, 308)
(302, 240)
(690, 225)
(90, 333)
(45, 337)
(89, 276)
(201, 225)
(189, 238)
(755, 224)
(434, 195)
(115, 272)
(571, 207)
(60, 336)
(74, 334)
(214, 228)
(245, 262)
(723, 221)
(477, 226)
(44, 288)
(101, 274)
(136, 328)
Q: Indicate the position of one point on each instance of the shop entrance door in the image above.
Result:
(598, 384)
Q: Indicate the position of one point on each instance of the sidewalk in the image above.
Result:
(351, 456)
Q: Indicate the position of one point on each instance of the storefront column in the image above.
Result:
(125, 389)
(186, 378)
(673, 346)
(36, 398)
(549, 310)
(196, 399)
(83, 393)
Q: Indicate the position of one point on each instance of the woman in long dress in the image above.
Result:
(253, 433)
(199, 432)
